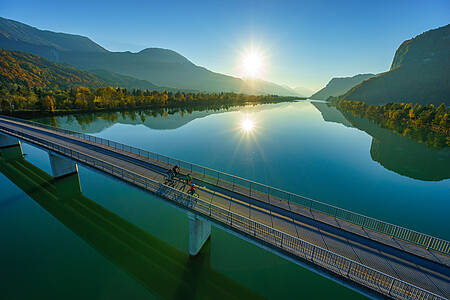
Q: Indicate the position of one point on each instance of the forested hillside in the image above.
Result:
(22, 69)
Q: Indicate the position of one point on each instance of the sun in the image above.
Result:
(252, 64)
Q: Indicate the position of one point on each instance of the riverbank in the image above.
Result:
(37, 113)
(428, 124)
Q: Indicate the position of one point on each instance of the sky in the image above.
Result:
(303, 43)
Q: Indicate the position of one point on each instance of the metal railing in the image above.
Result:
(267, 193)
(342, 266)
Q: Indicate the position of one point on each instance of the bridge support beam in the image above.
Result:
(62, 166)
(199, 233)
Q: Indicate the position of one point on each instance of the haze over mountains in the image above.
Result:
(158, 66)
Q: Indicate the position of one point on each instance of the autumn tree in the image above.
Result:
(49, 104)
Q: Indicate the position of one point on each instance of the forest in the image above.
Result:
(425, 123)
(17, 98)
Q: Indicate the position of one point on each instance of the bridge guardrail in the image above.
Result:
(342, 266)
(253, 188)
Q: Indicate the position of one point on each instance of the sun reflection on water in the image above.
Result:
(247, 125)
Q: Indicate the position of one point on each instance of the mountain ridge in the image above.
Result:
(159, 66)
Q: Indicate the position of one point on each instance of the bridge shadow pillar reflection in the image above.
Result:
(199, 233)
(62, 166)
(10, 147)
(67, 186)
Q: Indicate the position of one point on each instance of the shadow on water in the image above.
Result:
(162, 269)
(397, 153)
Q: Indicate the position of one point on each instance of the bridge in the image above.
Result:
(374, 257)
(158, 266)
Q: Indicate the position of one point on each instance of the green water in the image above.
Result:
(303, 147)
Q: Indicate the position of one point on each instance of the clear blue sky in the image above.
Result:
(306, 42)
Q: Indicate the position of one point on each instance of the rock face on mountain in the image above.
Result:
(338, 86)
(420, 73)
(162, 67)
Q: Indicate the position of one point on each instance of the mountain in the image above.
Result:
(124, 81)
(17, 36)
(162, 67)
(420, 73)
(338, 86)
(31, 70)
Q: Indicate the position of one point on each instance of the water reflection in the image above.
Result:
(394, 152)
(247, 124)
(160, 119)
(397, 153)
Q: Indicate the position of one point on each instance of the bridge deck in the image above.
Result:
(426, 269)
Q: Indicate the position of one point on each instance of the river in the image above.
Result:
(304, 147)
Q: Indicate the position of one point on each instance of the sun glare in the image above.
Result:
(247, 125)
(252, 64)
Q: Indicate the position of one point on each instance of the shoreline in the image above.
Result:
(31, 114)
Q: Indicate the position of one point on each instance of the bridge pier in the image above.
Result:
(62, 166)
(199, 233)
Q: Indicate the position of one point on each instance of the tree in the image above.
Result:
(49, 104)
(82, 98)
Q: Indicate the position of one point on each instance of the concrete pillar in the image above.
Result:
(199, 232)
(62, 166)
(8, 141)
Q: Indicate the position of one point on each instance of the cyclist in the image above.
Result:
(188, 179)
(192, 190)
(175, 171)
(169, 175)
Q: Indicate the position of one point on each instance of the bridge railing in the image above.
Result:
(342, 266)
(266, 193)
